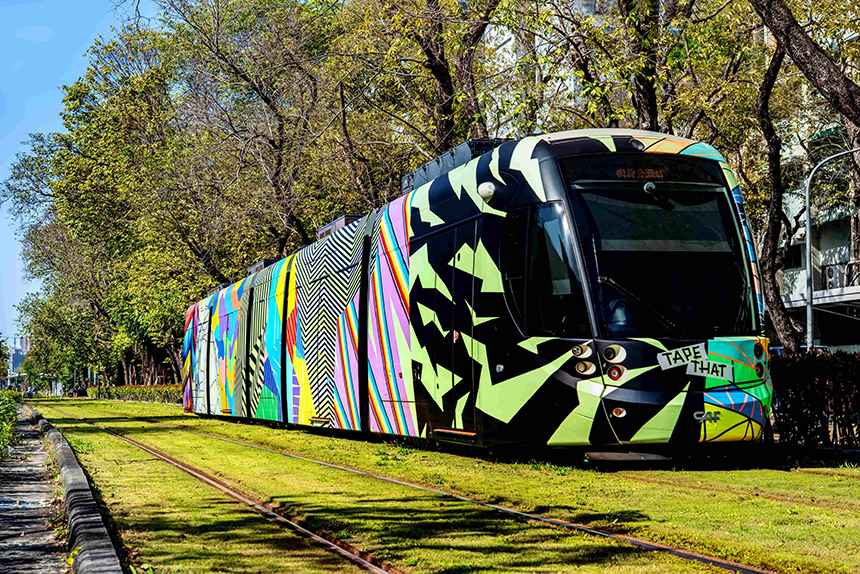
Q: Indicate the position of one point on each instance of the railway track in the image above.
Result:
(558, 523)
(358, 557)
(679, 485)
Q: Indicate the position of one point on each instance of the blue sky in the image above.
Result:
(43, 46)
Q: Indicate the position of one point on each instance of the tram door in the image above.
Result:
(454, 264)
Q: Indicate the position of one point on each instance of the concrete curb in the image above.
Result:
(86, 528)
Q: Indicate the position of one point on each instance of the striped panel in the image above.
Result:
(389, 347)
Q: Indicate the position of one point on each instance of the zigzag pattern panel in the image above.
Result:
(321, 302)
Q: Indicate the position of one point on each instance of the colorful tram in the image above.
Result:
(593, 287)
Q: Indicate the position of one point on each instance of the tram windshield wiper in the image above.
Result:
(629, 295)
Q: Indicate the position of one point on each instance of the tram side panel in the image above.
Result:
(225, 338)
(240, 364)
(189, 343)
(323, 279)
(213, 397)
(394, 406)
(264, 345)
(347, 366)
(443, 222)
(198, 393)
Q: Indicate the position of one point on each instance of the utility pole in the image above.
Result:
(809, 320)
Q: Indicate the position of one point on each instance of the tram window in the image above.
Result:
(514, 257)
(541, 280)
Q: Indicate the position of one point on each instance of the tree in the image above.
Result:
(773, 238)
(4, 358)
(427, 55)
(810, 58)
(829, 76)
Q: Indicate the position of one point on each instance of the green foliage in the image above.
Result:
(192, 150)
(4, 358)
(8, 419)
(145, 393)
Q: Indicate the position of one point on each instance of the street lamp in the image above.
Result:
(809, 246)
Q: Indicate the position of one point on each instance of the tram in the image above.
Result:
(590, 287)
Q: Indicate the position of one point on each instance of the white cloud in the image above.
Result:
(35, 33)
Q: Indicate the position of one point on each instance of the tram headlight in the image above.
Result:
(758, 350)
(759, 370)
(585, 368)
(615, 372)
(614, 353)
(581, 351)
(487, 190)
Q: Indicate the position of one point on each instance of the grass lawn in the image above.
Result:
(174, 523)
(422, 532)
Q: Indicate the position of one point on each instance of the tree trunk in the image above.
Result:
(824, 73)
(770, 260)
(471, 106)
(579, 58)
(126, 370)
(433, 46)
(464, 67)
(852, 141)
(643, 21)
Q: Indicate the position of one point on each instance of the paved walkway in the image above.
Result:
(27, 542)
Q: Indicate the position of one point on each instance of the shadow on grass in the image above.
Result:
(464, 529)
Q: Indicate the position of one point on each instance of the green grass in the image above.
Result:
(8, 419)
(417, 530)
(173, 523)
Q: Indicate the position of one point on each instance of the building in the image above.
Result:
(835, 274)
(17, 353)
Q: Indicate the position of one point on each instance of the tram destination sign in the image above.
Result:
(695, 357)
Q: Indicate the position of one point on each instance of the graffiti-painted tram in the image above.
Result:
(590, 287)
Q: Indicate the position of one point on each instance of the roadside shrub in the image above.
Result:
(8, 418)
(817, 398)
(148, 393)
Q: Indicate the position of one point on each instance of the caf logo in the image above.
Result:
(707, 417)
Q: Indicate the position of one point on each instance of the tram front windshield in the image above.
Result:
(664, 243)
